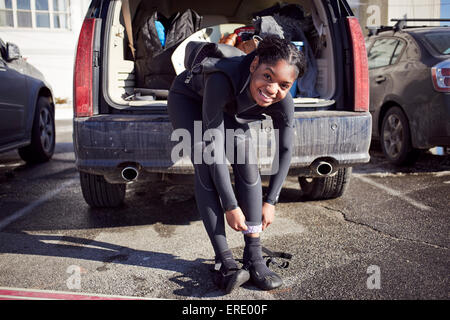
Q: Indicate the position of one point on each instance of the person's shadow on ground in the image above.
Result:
(193, 277)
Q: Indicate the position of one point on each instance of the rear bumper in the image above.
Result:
(429, 121)
(105, 144)
(439, 125)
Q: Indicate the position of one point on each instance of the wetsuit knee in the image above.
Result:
(201, 169)
(204, 178)
(245, 162)
(249, 173)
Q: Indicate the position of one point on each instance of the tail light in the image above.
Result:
(440, 74)
(361, 65)
(83, 71)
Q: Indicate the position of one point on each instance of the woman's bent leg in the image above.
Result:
(183, 112)
(246, 174)
(249, 194)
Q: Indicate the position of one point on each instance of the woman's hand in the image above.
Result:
(236, 219)
(268, 214)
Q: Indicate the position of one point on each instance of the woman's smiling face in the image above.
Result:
(271, 83)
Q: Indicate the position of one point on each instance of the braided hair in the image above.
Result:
(273, 48)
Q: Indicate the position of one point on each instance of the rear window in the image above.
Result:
(384, 52)
(439, 41)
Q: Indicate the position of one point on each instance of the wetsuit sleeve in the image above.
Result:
(217, 92)
(283, 120)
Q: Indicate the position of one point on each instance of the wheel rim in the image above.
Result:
(46, 129)
(393, 136)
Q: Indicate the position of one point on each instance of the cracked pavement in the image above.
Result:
(391, 220)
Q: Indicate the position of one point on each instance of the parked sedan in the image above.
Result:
(27, 120)
(409, 72)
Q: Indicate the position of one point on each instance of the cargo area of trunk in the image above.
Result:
(119, 70)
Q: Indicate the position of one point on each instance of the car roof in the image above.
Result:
(427, 29)
(415, 30)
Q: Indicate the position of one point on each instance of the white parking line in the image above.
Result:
(34, 204)
(395, 193)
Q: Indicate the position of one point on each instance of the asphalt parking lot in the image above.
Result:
(386, 238)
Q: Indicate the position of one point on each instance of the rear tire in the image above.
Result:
(395, 138)
(98, 193)
(327, 187)
(42, 134)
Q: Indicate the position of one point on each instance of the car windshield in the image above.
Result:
(440, 41)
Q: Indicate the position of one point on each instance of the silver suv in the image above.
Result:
(122, 135)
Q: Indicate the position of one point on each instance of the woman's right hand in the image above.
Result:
(236, 219)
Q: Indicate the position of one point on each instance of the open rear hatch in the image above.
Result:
(122, 92)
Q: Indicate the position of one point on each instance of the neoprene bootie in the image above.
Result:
(229, 276)
(260, 274)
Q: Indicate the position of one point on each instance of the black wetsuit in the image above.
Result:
(222, 100)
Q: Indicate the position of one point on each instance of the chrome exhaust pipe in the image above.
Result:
(324, 168)
(130, 173)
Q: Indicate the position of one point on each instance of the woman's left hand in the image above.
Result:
(268, 214)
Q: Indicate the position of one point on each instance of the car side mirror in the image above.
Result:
(12, 52)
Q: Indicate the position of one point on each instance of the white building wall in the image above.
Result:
(52, 51)
(374, 13)
(418, 9)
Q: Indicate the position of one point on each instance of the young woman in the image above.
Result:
(242, 89)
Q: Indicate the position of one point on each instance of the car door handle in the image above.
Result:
(380, 79)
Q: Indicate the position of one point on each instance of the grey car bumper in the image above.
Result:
(106, 144)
